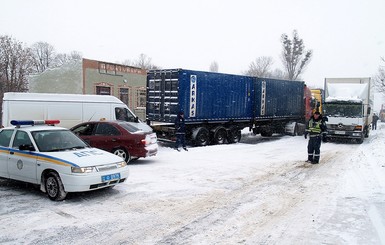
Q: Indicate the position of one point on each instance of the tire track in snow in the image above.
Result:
(254, 201)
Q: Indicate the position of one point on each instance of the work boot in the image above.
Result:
(310, 158)
(316, 160)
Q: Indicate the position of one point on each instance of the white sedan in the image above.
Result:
(56, 159)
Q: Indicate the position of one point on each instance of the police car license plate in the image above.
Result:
(339, 132)
(106, 178)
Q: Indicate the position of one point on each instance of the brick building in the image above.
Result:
(124, 82)
(96, 77)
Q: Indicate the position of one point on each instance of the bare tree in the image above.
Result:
(294, 56)
(261, 67)
(278, 74)
(43, 56)
(144, 62)
(379, 79)
(15, 66)
(61, 59)
(214, 67)
(127, 62)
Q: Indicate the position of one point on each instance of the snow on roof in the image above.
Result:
(60, 97)
(346, 92)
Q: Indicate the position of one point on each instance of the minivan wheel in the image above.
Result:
(123, 154)
(54, 187)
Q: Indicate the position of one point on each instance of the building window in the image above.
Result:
(141, 97)
(103, 90)
(124, 95)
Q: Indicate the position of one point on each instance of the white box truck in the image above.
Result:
(347, 106)
(70, 109)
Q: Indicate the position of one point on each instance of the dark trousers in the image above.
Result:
(374, 125)
(180, 140)
(313, 148)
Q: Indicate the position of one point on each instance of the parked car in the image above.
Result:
(119, 137)
(54, 158)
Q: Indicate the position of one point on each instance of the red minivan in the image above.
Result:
(119, 137)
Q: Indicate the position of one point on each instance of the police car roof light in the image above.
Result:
(34, 122)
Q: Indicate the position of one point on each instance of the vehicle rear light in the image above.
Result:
(147, 140)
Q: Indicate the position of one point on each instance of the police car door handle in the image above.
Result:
(11, 152)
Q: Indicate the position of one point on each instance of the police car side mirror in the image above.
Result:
(26, 147)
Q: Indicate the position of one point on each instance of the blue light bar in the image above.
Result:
(34, 122)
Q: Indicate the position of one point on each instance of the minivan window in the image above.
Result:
(124, 114)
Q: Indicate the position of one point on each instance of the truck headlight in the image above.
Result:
(82, 170)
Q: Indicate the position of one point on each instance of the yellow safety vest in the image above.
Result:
(314, 126)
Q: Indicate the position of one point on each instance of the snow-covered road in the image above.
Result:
(259, 191)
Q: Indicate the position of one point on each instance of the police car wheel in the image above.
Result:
(54, 187)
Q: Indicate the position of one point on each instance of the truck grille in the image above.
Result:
(340, 126)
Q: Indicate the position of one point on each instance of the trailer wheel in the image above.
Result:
(220, 135)
(201, 136)
(234, 135)
(266, 133)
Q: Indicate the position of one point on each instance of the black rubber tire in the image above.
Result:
(219, 136)
(234, 135)
(202, 137)
(54, 187)
(123, 154)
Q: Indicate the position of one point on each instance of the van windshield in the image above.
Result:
(124, 114)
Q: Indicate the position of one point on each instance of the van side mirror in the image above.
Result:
(26, 147)
(136, 119)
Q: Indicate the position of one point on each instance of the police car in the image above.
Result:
(56, 159)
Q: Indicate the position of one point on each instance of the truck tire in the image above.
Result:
(266, 133)
(234, 135)
(220, 135)
(201, 136)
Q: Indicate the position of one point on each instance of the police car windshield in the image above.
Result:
(57, 140)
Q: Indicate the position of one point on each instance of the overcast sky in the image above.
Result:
(346, 36)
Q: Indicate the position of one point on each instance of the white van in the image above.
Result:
(70, 109)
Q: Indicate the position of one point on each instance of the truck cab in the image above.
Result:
(346, 120)
(347, 106)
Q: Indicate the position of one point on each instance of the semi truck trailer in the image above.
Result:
(218, 106)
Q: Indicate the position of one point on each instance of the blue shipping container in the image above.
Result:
(216, 97)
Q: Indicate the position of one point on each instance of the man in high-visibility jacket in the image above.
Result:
(316, 129)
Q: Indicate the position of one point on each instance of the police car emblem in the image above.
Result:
(20, 164)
